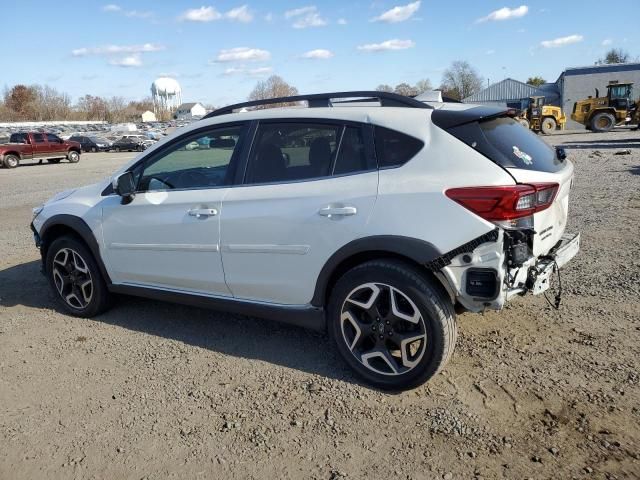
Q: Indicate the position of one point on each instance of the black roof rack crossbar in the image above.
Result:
(316, 100)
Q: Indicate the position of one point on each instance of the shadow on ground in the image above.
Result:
(236, 335)
(619, 144)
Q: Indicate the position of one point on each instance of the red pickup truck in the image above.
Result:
(37, 146)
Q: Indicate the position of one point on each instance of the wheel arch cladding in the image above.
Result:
(63, 224)
(415, 251)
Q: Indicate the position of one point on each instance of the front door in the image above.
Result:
(309, 189)
(56, 148)
(168, 236)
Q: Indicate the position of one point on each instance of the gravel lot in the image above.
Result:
(154, 390)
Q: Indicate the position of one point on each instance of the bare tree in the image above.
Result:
(405, 89)
(615, 55)
(536, 81)
(272, 87)
(422, 86)
(460, 80)
(384, 88)
(94, 108)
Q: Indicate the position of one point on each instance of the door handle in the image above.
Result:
(337, 211)
(202, 212)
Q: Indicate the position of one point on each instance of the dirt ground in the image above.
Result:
(154, 390)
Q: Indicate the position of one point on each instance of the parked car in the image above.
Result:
(374, 223)
(38, 146)
(92, 143)
(128, 143)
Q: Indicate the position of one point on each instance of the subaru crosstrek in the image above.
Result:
(374, 216)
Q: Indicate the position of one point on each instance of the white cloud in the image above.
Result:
(210, 14)
(252, 72)
(394, 44)
(399, 13)
(242, 54)
(490, 52)
(318, 54)
(268, 17)
(606, 42)
(113, 8)
(562, 41)
(202, 14)
(342, 21)
(117, 49)
(128, 61)
(505, 13)
(240, 14)
(305, 17)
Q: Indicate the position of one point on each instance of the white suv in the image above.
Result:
(375, 219)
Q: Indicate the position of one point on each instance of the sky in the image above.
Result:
(218, 50)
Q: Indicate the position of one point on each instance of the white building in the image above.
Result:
(189, 111)
(149, 116)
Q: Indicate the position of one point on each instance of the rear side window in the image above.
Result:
(394, 148)
(509, 145)
(352, 157)
(292, 151)
(18, 138)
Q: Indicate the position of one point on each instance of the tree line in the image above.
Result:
(44, 103)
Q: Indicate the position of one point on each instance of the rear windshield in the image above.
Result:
(509, 144)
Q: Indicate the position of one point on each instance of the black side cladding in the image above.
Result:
(445, 259)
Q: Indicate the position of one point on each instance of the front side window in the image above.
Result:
(200, 161)
(51, 138)
(292, 151)
(38, 137)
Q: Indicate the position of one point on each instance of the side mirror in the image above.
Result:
(125, 186)
(561, 153)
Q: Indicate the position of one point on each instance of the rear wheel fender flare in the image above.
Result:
(362, 249)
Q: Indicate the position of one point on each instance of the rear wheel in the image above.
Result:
(548, 125)
(75, 278)
(11, 161)
(391, 324)
(602, 122)
(73, 156)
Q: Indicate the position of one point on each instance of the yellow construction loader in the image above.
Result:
(542, 118)
(601, 114)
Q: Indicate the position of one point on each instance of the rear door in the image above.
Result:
(40, 146)
(309, 189)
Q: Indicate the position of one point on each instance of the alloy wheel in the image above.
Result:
(72, 278)
(383, 328)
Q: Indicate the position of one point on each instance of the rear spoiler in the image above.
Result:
(447, 119)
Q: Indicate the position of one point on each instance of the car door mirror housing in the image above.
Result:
(125, 186)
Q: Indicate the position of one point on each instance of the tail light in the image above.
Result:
(505, 203)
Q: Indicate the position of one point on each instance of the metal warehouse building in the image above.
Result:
(573, 84)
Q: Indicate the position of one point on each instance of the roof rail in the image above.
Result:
(386, 99)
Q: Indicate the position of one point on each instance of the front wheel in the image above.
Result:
(393, 325)
(75, 278)
(73, 156)
(11, 161)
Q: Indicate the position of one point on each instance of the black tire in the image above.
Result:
(434, 329)
(11, 161)
(548, 126)
(602, 122)
(73, 156)
(65, 282)
(53, 160)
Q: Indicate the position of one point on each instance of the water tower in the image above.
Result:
(166, 94)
